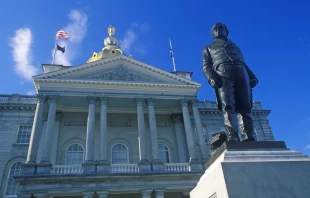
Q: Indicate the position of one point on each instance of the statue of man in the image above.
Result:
(226, 71)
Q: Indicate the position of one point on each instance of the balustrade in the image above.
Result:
(124, 168)
(176, 167)
(66, 169)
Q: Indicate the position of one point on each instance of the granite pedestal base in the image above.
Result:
(255, 170)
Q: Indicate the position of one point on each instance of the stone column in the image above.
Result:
(103, 164)
(88, 194)
(178, 133)
(144, 163)
(45, 165)
(102, 194)
(160, 193)
(89, 164)
(146, 193)
(194, 162)
(55, 138)
(158, 165)
(29, 165)
(199, 130)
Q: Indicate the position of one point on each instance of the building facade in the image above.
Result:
(113, 127)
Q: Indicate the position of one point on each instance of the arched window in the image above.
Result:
(164, 153)
(12, 188)
(75, 154)
(119, 154)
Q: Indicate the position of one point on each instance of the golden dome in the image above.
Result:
(110, 47)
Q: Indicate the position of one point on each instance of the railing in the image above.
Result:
(176, 167)
(117, 168)
(66, 169)
(124, 168)
(18, 98)
(4, 98)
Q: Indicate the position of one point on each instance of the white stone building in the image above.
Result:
(114, 127)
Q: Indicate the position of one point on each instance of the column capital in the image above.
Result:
(102, 194)
(91, 99)
(88, 194)
(176, 118)
(41, 98)
(150, 101)
(194, 102)
(103, 100)
(139, 101)
(160, 192)
(146, 192)
(53, 98)
(184, 102)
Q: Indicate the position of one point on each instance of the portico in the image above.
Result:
(123, 122)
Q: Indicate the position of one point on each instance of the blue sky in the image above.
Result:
(273, 35)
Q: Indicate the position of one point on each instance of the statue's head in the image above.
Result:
(219, 30)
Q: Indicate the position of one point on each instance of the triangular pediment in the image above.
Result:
(117, 69)
(119, 74)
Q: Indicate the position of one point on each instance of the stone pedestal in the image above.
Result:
(89, 167)
(196, 165)
(255, 170)
(158, 166)
(144, 166)
(29, 168)
(103, 167)
(44, 168)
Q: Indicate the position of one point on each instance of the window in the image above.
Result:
(119, 154)
(163, 153)
(24, 133)
(12, 188)
(75, 154)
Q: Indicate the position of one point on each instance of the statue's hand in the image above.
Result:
(253, 82)
(215, 82)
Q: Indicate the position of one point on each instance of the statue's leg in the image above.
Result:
(226, 97)
(244, 105)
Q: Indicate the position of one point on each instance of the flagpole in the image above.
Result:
(172, 56)
(54, 52)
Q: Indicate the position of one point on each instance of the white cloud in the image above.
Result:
(21, 44)
(307, 147)
(131, 37)
(31, 92)
(76, 29)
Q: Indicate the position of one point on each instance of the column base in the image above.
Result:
(195, 165)
(22, 195)
(102, 194)
(144, 166)
(158, 166)
(29, 168)
(103, 167)
(44, 168)
(89, 167)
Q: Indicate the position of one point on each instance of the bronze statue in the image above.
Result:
(226, 71)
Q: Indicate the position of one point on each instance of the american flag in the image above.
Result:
(62, 34)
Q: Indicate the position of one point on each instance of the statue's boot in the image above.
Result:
(231, 124)
(232, 135)
(246, 126)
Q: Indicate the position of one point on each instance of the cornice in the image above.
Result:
(108, 179)
(130, 84)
